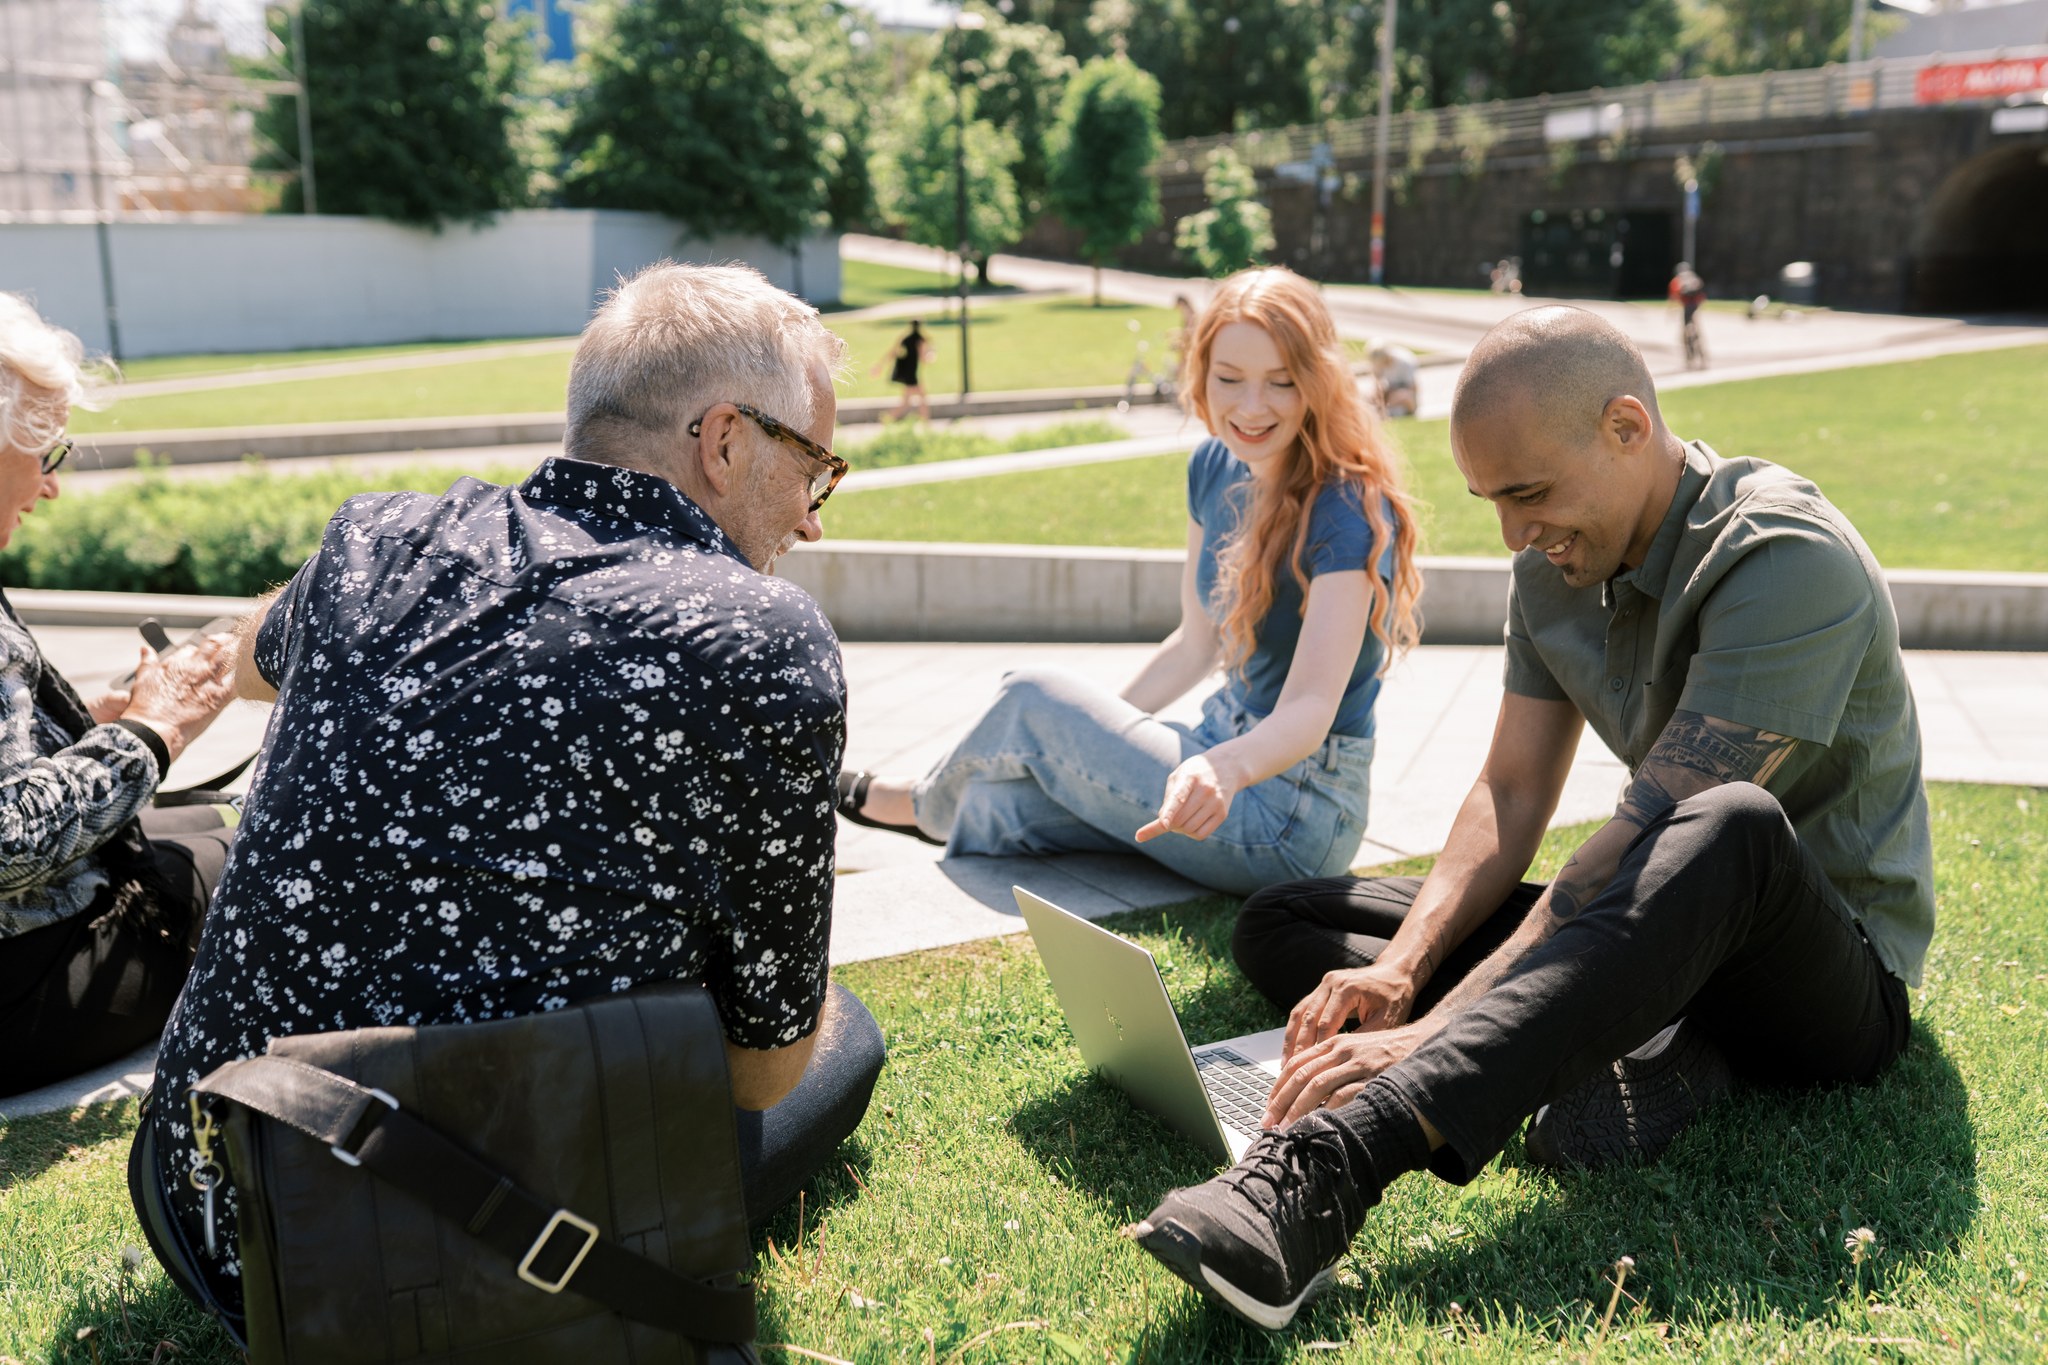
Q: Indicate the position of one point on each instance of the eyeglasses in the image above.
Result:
(824, 481)
(55, 456)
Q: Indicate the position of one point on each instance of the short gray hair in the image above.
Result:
(42, 376)
(673, 340)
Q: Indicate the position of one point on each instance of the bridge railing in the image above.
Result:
(1625, 113)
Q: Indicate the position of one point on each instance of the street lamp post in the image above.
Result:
(963, 22)
(1379, 146)
(309, 201)
(101, 216)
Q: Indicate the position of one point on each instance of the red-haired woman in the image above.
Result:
(1300, 581)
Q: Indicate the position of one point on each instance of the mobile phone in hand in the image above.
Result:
(159, 639)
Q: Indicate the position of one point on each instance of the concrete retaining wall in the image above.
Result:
(883, 590)
(279, 283)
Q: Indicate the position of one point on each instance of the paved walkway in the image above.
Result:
(1450, 321)
(1984, 718)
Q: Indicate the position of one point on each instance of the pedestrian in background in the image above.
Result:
(909, 353)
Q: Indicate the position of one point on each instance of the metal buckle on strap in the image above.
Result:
(362, 1133)
(590, 1236)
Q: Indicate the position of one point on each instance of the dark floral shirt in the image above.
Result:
(61, 798)
(531, 745)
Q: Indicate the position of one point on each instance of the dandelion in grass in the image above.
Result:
(1862, 1246)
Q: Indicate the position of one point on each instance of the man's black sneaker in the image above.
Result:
(1636, 1107)
(1264, 1237)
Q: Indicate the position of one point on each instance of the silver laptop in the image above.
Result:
(1118, 1010)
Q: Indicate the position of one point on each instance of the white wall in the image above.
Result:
(287, 283)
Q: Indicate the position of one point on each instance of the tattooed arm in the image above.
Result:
(1693, 754)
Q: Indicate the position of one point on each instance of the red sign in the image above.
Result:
(1980, 80)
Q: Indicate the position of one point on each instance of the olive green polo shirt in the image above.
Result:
(1758, 604)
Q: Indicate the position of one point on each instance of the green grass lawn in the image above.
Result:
(863, 284)
(984, 1192)
(1034, 343)
(1941, 464)
(186, 366)
(164, 534)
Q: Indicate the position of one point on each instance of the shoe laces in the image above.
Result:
(1301, 1181)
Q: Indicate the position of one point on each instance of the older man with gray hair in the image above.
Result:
(540, 743)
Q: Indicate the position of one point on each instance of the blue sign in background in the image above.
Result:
(560, 43)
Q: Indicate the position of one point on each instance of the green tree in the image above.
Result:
(1222, 65)
(1067, 18)
(1469, 51)
(1103, 149)
(1730, 37)
(1019, 72)
(687, 111)
(1236, 230)
(838, 73)
(413, 110)
(913, 171)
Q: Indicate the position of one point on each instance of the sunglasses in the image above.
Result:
(55, 456)
(824, 481)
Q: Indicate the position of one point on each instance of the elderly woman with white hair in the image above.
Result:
(101, 894)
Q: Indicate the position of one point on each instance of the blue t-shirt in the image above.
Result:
(1339, 538)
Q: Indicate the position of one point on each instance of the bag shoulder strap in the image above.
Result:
(553, 1248)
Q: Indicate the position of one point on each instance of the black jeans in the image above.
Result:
(1718, 913)
(91, 989)
(781, 1148)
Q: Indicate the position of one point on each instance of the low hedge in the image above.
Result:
(243, 534)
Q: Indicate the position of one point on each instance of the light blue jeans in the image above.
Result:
(1060, 765)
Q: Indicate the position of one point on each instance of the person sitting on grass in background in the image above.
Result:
(1756, 907)
(904, 360)
(543, 743)
(1300, 581)
(1395, 376)
(101, 893)
(1179, 340)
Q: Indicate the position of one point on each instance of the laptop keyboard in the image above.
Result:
(1237, 1087)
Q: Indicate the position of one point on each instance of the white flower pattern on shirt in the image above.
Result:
(532, 745)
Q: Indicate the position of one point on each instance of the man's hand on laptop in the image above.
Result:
(1378, 997)
(1334, 1070)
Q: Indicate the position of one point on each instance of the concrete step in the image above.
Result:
(896, 910)
(117, 1080)
(874, 915)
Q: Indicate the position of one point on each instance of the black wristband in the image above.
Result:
(151, 741)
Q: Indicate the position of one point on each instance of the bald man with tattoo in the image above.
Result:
(1755, 908)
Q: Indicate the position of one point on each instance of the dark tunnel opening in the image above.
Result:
(1983, 243)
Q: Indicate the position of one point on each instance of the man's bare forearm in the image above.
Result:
(1491, 843)
(1692, 755)
(250, 684)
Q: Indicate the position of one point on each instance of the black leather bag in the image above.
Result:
(561, 1187)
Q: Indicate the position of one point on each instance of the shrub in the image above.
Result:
(243, 534)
